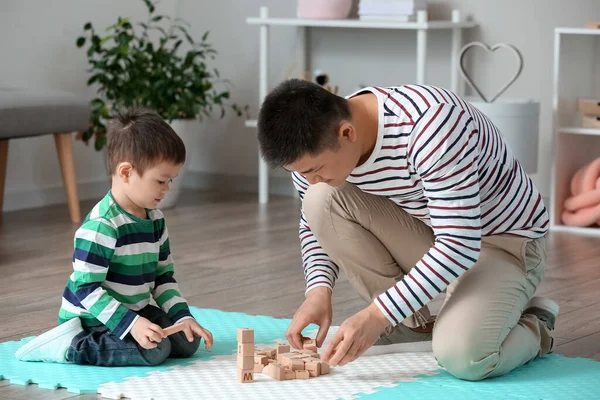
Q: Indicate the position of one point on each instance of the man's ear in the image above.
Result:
(124, 171)
(347, 131)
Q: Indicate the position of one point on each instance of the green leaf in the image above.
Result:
(157, 18)
(100, 142)
(80, 41)
(87, 26)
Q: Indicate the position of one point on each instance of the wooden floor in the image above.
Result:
(234, 255)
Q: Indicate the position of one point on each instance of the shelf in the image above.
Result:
(357, 23)
(589, 231)
(578, 131)
(251, 123)
(577, 31)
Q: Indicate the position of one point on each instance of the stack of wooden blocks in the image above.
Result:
(590, 111)
(279, 363)
(282, 364)
(245, 355)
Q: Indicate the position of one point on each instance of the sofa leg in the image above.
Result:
(64, 148)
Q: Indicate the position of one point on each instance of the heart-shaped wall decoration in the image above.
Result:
(467, 78)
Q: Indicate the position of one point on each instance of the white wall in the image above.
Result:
(37, 43)
(379, 57)
(49, 58)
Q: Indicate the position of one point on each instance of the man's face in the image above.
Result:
(330, 166)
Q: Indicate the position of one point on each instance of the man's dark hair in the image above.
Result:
(297, 118)
(143, 138)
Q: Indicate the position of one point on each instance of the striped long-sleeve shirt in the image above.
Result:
(121, 264)
(445, 163)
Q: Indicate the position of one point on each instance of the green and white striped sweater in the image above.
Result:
(121, 264)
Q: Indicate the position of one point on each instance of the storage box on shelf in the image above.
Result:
(576, 107)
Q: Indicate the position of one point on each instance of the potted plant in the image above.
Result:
(154, 64)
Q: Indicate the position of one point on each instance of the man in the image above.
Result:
(412, 191)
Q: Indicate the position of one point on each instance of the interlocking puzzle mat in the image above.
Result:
(213, 374)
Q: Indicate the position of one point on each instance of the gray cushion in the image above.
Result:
(33, 112)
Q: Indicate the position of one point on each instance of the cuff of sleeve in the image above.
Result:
(180, 314)
(318, 284)
(128, 329)
(182, 318)
(385, 310)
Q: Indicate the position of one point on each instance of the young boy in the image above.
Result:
(122, 263)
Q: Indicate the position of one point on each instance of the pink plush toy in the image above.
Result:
(583, 207)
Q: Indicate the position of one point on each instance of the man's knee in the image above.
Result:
(461, 357)
(314, 204)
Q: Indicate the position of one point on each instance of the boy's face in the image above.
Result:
(148, 190)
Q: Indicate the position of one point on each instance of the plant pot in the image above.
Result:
(324, 9)
(185, 128)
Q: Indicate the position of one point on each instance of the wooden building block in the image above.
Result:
(313, 368)
(282, 348)
(289, 375)
(173, 329)
(258, 368)
(302, 374)
(275, 371)
(311, 347)
(280, 357)
(592, 25)
(296, 364)
(306, 351)
(271, 353)
(325, 368)
(245, 362)
(245, 376)
(306, 341)
(264, 360)
(246, 349)
(245, 335)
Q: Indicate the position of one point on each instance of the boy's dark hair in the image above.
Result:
(143, 138)
(297, 118)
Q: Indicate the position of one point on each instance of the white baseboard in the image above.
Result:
(55, 194)
(281, 186)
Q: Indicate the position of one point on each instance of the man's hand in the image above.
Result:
(316, 309)
(191, 327)
(146, 333)
(355, 336)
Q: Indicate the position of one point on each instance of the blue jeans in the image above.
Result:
(98, 346)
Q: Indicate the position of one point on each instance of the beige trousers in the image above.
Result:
(480, 331)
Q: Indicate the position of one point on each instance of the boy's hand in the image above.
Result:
(146, 333)
(191, 327)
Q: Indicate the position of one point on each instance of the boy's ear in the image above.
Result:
(124, 171)
(347, 131)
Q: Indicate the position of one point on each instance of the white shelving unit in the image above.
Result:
(576, 75)
(421, 26)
